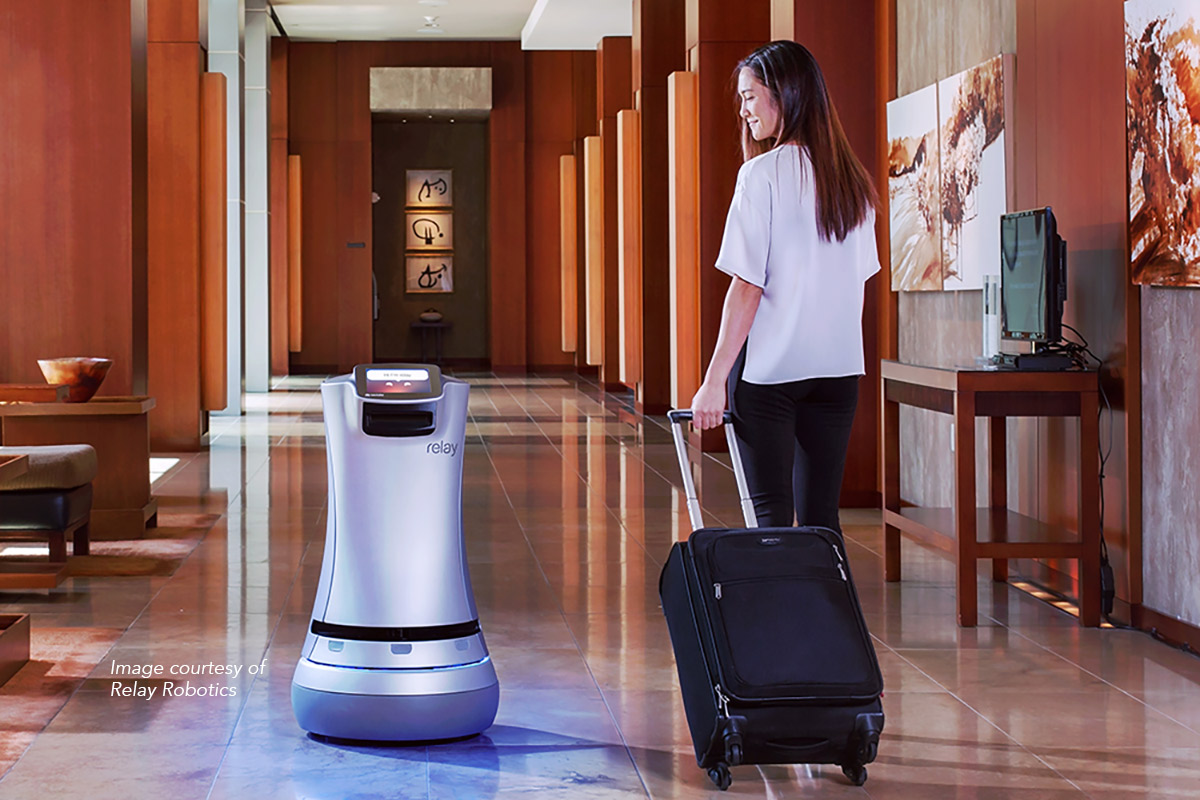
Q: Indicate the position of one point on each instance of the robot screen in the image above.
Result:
(398, 381)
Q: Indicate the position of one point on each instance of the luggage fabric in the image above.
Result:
(775, 662)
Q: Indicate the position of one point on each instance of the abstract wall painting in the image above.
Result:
(974, 190)
(429, 230)
(429, 188)
(1162, 81)
(427, 275)
(914, 189)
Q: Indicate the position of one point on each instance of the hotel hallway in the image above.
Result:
(571, 503)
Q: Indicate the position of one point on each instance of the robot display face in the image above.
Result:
(398, 381)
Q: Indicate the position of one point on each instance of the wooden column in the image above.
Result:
(629, 241)
(613, 94)
(295, 226)
(718, 35)
(887, 302)
(214, 223)
(684, 205)
(279, 206)
(175, 63)
(568, 252)
(73, 192)
(549, 135)
(657, 51)
(593, 168)
(507, 183)
(834, 33)
(583, 91)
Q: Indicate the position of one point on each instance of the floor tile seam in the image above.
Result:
(1009, 737)
(574, 638)
(1099, 678)
(530, 418)
(79, 685)
(588, 484)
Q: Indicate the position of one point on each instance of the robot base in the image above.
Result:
(392, 705)
(395, 718)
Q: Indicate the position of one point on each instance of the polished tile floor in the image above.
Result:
(571, 503)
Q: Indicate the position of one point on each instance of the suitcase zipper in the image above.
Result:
(717, 592)
(722, 701)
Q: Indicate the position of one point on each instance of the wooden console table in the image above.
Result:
(968, 533)
(118, 428)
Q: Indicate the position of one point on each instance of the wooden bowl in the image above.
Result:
(82, 376)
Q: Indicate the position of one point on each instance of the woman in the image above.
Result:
(799, 244)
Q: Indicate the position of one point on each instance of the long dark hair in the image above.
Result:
(844, 189)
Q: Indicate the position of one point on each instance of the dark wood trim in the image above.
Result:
(1174, 631)
(139, 228)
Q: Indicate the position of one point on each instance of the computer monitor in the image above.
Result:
(1033, 276)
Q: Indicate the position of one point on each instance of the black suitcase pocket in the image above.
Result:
(793, 637)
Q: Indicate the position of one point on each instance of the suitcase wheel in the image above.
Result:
(856, 773)
(721, 778)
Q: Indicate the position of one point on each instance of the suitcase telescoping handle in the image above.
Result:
(677, 418)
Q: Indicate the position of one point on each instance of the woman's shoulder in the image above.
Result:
(765, 168)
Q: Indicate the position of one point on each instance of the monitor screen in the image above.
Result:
(399, 381)
(1025, 275)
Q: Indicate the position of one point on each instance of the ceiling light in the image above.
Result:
(431, 2)
(431, 26)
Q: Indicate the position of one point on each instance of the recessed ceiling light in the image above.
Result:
(431, 26)
(431, 2)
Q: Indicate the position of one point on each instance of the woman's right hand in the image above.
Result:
(708, 407)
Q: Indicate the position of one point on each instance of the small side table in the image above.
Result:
(436, 329)
(967, 533)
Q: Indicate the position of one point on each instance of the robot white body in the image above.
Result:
(394, 651)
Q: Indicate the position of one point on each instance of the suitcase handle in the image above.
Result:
(679, 416)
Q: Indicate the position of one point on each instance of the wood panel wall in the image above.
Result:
(278, 204)
(1068, 145)
(175, 64)
(329, 124)
(830, 31)
(614, 92)
(657, 50)
(72, 252)
(718, 35)
(550, 135)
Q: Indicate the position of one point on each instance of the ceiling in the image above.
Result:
(539, 24)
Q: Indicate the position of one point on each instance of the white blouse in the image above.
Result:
(809, 321)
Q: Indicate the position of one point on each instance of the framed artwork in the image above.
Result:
(914, 191)
(429, 188)
(429, 274)
(1163, 140)
(429, 230)
(974, 175)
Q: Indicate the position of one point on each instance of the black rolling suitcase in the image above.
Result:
(775, 662)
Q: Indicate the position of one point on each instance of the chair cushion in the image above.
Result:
(44, 510)
(58, 466)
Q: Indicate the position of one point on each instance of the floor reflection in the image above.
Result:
(571, 503)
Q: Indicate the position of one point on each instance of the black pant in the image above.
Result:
(793, 438)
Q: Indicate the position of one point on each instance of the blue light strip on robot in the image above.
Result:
(483, 660)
